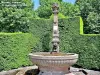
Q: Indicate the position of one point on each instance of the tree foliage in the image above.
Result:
(90, 12)
(45, 9)
(13, 20)
(16, 19)
(44, 12)
(69, 9)
(29, 4)
(60, 0)
(17, 4)
(48, 2)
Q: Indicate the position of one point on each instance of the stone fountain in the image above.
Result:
(54, 62)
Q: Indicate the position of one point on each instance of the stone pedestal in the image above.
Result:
(53, 65)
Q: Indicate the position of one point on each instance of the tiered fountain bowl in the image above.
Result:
(53, 64)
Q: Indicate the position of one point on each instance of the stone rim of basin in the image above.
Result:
(57, 64)
(47, 54)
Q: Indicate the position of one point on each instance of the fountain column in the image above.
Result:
(55, 40)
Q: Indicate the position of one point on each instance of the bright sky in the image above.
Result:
(37, 2)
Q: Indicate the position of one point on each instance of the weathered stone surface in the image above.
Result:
(20, 71)
(33, 70)
(90, 72)
(11, 72)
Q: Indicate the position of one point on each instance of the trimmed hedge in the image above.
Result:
(71, 40)
(41, 28)
(14, 49)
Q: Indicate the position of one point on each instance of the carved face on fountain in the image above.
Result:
(55, 46)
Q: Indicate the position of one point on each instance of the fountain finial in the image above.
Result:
(55, 39)
(55, 8)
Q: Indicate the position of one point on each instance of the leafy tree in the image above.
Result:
(90, 12)
(48, 2)
(29, 4)
(93, 21)
(15, 19)
(77, 1)
(69, 9)
(17, 4)
(60, 0)
(45, 9)
(44, 12)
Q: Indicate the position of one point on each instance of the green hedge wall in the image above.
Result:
(14, 49)
(41, 28)
(71, 40)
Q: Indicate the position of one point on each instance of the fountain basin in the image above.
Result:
(55, 64)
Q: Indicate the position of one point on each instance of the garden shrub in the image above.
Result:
(72, 40)
(14, 49)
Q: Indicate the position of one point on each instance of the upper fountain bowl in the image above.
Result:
(57, 62)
